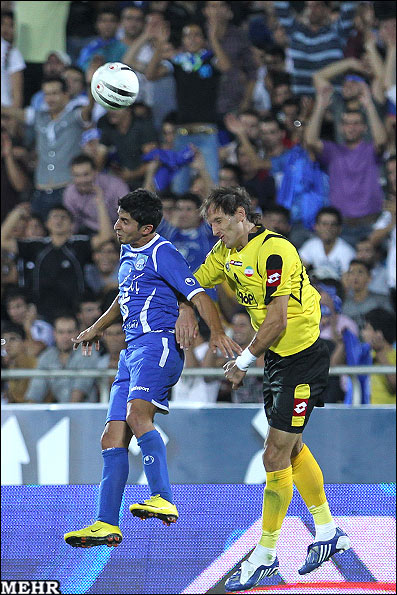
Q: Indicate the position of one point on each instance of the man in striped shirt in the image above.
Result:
(315, 40)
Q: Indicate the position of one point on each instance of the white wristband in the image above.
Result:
(245, 360)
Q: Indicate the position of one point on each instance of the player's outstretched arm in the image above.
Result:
(186, 327)
(269, 331)
(94, 333)
(218, 340)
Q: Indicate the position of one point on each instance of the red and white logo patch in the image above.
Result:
(300, 407)
(273, 277)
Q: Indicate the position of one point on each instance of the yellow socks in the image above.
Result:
(308, 478)
(276, 499)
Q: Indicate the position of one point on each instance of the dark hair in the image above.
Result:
(281, 78)
(286, 213)
(241, 311)
(192, 197)
(194, 23)
(362, 262)
(273, 49)
(7, 14)
(168, 195)
(270, 119)
(229, 199)
(84, 298)
(141, 10)
(12, 327)
(82, 158)
(170, 118)
(294, 100)
(14, 293)
(363, 239)
(67, 315)
(384, 321)
(38, 218)
(60, 208)
(111, 241)
(56, 79)
(143, 206)
(108, 10)
(330, 211)
(234, 168)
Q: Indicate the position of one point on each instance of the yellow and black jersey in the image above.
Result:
(268, 266)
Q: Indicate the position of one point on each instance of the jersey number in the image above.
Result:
(123, 307)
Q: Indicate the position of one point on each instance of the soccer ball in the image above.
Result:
(114, 86)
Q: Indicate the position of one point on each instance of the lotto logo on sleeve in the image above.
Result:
(301, 399)
(273, 277)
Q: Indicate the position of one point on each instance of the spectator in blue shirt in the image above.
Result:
(191, 235)
(106, 44)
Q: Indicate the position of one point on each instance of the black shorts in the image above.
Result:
(293, 385)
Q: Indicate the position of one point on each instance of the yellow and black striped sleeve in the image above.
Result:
(278, 262)
(211, 272)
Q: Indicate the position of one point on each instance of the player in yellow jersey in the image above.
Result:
(265, 272)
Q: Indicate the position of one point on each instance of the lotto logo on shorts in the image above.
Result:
(301, 398)
(300, 408)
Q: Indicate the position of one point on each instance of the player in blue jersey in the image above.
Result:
(153, 276)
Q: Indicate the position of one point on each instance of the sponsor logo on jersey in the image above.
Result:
(246, 298)
(273, 277)
(140, 262)
(236, 263)
(190, 281)
(145, 388)
(248, 272)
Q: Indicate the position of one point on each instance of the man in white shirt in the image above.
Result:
(327, 248)
(12, 64)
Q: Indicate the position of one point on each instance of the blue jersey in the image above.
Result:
(150, 279)
(193, 244)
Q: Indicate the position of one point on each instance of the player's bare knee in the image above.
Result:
(139, 424)
(115, 435)
(276, 456)
(297, 447)
(108, 441)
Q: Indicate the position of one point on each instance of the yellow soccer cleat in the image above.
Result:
(156, 507)
(99, 533)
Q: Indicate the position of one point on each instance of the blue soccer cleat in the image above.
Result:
(321, 551)
(247, 575)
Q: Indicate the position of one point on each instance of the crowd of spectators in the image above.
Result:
(294, 101)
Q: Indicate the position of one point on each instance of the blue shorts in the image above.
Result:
(147, 370)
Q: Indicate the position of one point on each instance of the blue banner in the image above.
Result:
(221, 444)
(217, 528)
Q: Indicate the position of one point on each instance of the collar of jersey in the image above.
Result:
(256, 233)
(152, 241)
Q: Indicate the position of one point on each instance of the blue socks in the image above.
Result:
(154, 459)
(114, 478)
(115, 475)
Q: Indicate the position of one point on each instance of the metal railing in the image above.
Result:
(102, 376)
